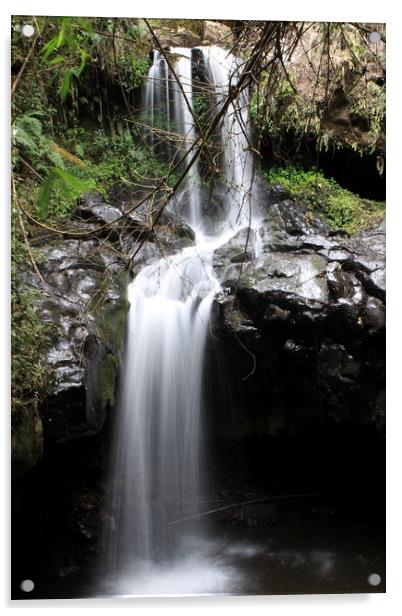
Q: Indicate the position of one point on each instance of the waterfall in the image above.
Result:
(183, 98)
(158, 459)
(156, 95)
(223, 70)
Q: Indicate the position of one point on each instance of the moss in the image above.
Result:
(337, 206)
(112, 323)
(26, 440)
(29, 336)
(108, 371)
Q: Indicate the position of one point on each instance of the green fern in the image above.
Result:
(26, 132)
(30, 143)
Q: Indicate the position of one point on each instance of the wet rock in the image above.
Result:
(374, 315)
(306, 319)
(101, 213)
(239, 249)
(84, 302)
(127, 220)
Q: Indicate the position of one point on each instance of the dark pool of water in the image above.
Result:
(303, 552)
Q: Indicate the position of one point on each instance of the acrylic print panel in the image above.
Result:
(198, 307)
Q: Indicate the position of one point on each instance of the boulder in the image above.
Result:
(217, 33)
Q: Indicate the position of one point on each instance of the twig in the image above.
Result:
(23, 67)
(241, 504)
(24, 233)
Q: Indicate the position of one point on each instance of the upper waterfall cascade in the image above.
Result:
(158, 459)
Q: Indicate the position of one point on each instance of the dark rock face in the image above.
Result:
(304, 323)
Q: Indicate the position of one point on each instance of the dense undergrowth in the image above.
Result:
(324, 197)
(28, 335)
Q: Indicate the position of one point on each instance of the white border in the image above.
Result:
(337, 10)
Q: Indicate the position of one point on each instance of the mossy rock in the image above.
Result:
(112, 326)
(26, 440)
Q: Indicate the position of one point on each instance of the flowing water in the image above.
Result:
(158, 459)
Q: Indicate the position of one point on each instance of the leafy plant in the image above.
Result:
(29, 141)
(337, 98)
(75, 35)
(200, 105)
(71, 186)
(132, 70)
(111, 158)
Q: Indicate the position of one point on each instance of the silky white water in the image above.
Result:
(158, 462)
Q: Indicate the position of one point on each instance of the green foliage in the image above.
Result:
(132, 70)
(339, 207)
(60, 188)
(71, 186)
(286, 112)
(369, 107)
(76, 38)
(30, 143)
(200, 105)
(337, 98)
(26, 132)
(28, 335)
(114, 158)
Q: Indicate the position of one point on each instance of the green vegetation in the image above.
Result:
(200, 105)
(55, 96)
(28, 336)
(339, 207)
(107, 159)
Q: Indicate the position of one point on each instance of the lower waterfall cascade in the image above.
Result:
(158, 459)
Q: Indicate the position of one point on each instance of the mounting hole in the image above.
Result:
(27, 30)
(374, 37)
(374, 579)
(27, 585)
